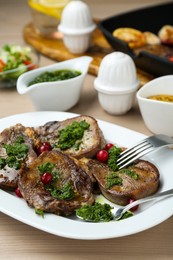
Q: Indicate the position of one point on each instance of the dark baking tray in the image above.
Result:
(145, 19)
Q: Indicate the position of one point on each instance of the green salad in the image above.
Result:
(15, 60)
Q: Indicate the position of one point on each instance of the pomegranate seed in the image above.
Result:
(108, 146)
(46, 178)
(45, 147)
(102, 156)
(135, 207)
(18, 193)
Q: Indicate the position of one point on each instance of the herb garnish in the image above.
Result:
(16, 152)
(130, 173)
(71, 136)
(114, 153)
(65, 193)
(127, 214)
(97, 212)
(56, 189)
(46, 167)
(113, 179)
(39, 212)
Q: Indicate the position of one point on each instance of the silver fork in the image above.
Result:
(120, 212)
(142, 148)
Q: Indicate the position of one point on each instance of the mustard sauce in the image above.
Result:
(162, 97)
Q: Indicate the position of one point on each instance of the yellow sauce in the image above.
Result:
(162, 97)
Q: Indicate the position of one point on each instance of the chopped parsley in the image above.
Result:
(96, 212)
(65, 193)
(46, 167)
(113, 179)
(71, 136)
(40, 212)
(16, 152)
(114, 153)
(127, 214)
(130, 173)
(2, 163)
(56, 189)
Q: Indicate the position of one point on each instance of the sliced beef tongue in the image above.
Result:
(91, 142)
(13, 142)
(134, 182)
(68, 189)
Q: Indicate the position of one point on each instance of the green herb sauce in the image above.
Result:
(113, 179)
(55, 187)
(16, 152)
(127, 214)
(97, 212)
(40, 212)
(46, 167)
(55, 76)
(71, 136)
(114, 153)
(130, 173)
(64, 193)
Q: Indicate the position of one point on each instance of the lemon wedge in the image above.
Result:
(49, 7)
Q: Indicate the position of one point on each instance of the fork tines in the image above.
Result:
(133, 153)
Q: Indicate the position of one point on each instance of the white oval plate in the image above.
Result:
(148, 216)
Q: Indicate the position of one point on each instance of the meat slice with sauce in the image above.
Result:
(134, 182)
(17, 145)
(88, 145)
(68, 189)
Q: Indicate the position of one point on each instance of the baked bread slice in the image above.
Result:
(69, 188)
(133, 182)
(133, 37)
(17, 144)
(78, 136)
(166, 34)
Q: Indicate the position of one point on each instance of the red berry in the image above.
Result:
(108, 146)
(46, 178)
(135, 207)
(45, 147)
(18, 193)
(102, 156)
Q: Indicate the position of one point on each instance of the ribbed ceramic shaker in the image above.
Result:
(117, 83)
(77, 26)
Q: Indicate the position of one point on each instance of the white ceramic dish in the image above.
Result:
(157, 115)
(148, 216)
(56, 95)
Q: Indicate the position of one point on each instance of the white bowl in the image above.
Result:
(55, 95)
(77, 26)
(116, 83)
(157, 115)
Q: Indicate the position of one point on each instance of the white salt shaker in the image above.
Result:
(77, 26)
(117, 83)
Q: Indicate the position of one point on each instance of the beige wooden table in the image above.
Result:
(19, 241)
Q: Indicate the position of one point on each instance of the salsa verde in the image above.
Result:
(56, 75)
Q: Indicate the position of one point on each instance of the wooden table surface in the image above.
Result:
(20, 241)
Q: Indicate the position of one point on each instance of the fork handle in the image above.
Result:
(152, 197)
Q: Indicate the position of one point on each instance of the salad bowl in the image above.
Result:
(14, 61)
